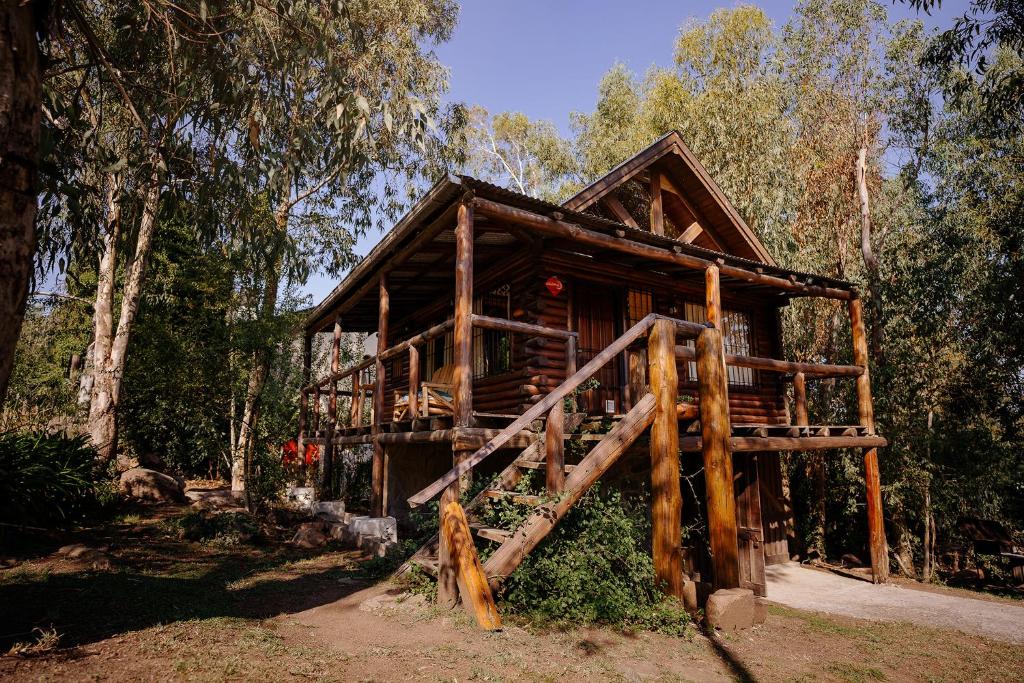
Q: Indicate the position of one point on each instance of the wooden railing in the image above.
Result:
(552, 401)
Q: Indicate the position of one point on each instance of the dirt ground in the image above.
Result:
(169, 609)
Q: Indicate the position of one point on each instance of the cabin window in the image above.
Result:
(736, 339)
(639, 303)
(492, 349)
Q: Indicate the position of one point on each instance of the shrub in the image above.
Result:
(595, 567)
(48, 479)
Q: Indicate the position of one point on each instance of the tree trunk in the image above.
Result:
(261, 358)
(20, 104)
(868, 254)
(111, 346)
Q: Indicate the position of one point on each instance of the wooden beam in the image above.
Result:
(693, 444)
(554, 448)
(800, 399)
(540, 408)
(620, 212)
(691, 233)
(377, 492)
(471, 581)
(712, 297)
(462, 333)
(307, 359)
(581, 235)
(872, 479)
(414, 381)
(511, 553)
(514, 326)
(810, 370)
(657, 212)
(327, 485)
(713, 391)
(666, 495)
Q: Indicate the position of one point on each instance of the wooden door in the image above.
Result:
(748, 522)
(598, 321)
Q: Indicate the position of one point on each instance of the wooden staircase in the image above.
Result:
(547, 510)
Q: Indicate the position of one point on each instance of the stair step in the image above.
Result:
(490, 533)
(521, 498)
(539, 465)
(428, 564)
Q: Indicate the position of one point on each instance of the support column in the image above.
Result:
(462, 333)
(713, 392)
(666, 496)
(327, 484)
(377, 492)
(800, 400)
(307, 360)
(876, 522)
(554, 449)
(414, 382)
(713, 297)
(657, 212)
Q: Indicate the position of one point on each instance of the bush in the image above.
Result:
(48, 479)
(595, 567)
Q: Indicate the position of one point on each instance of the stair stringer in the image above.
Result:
(539, 524)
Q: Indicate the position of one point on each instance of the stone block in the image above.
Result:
(760, 610)
(330, 510)
(730, 609)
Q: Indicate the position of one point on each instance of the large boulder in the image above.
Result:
(148, 486)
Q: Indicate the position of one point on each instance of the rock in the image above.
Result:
(729, 609)
(330, 510)
(152, 461)
(83, 555)
(79, 550)
(124, 463)
(690, 595)
(309, 536)
(148, 486)
(850, 560)
(760, 610)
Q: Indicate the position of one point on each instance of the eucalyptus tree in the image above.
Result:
(131, 93)
(339, 120)
(511, 150)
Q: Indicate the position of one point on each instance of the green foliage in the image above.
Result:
(47, 479)
(594, 568)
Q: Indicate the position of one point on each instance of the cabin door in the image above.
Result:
(599, 322)
(748, 522)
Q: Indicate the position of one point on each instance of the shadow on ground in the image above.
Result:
(159, 580)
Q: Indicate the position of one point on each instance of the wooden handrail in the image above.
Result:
(545, 404)
(817, 370)
(504, 325)
(435, 331)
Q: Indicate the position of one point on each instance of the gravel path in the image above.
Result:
(818, 591)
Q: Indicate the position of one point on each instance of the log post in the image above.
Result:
(377, 492)
(713, 296)
(307, 367)
(713, 392)
(800, 399)
(657, 213)
(554, 448)
(872, 479)
(414, 382)
(666, 496)
(327, 484)
(462, 333)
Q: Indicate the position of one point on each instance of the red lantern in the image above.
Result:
(554, 285)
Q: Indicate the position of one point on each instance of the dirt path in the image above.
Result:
(818, 591)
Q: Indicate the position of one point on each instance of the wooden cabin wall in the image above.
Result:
(762, 403)
(506, 393)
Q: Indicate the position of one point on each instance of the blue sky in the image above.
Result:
(545, 58)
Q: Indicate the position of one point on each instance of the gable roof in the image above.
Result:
(670, 156)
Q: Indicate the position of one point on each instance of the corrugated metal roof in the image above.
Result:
(450, 187)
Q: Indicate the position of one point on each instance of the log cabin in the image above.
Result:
(631, 333)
